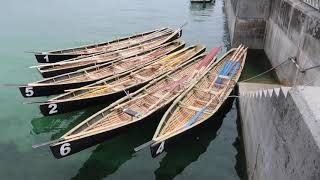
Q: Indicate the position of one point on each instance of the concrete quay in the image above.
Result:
(283, 28)
(281, 131)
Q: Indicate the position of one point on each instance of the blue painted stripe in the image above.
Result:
(234, 70)
(195, 117)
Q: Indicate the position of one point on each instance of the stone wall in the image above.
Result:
(283, 28)
(281, 132)
(293, 29)
(247, 21)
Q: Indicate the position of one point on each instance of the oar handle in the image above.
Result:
(13, 85)
(184, 24)
(46, 143)
(142, 146)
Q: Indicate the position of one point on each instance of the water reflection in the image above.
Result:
(192, 145)
(110, 155)
(62, 122)
(195, 7)
(107, 158)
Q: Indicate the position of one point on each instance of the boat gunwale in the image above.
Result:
(126, 98)
(86, 58)
(158, 139)
(120, 75)
(111, 60)
(39, 84)
(93, 45)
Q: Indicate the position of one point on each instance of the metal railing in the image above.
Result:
(313, 3)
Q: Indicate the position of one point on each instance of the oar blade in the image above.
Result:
(46, 143)
(142, 146)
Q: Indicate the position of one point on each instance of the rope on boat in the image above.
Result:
(293, 60)
(266, 71)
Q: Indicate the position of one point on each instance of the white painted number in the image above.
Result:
(65, 149)
(161, 148)
(46, 57)
(29, 91)
(53, 108)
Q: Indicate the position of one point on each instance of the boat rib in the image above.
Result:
(113, 45)
(70, 65)
(202, 99)
(136, 106)
(143, 75)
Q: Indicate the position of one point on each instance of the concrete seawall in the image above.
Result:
(281, 132)
(247, 21)
(283, 28)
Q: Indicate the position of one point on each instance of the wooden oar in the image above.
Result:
(144, 145)
(32, 52)
(236, 51)
(94, 87)
(13, 85)
(86, 88)
(93, 55)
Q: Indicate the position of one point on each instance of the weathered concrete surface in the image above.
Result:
(247, 21)
(281, 132)
(283, 28)
(293, 29)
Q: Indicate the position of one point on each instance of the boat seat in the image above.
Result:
(119, 68)
(193, 108)
(131, 112)
(224, 77)
(141, 77)
(174, 79)
(157, 95)
(206, 91)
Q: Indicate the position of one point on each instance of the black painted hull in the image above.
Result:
(48, 90)
(68, 106)
(86, 142)
(52, 58)
(52, 73)
(155, 149)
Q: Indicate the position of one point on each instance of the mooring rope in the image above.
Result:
(265, 71)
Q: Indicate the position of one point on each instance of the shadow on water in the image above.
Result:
(241, 164)
(110, 155)
(50, 124)
(192, 145)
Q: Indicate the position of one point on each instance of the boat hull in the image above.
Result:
(47, 90)
(52, 73)
(52, 58)
(157, 149)
(68, 106)
(86, 142)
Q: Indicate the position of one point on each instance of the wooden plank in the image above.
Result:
(193, 108)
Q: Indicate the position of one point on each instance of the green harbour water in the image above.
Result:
(39, 25)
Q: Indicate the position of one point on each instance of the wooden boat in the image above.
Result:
(122, 43)
(130, 110)
(115, 87)
(197, 104)
(62, 67)
(58, 84)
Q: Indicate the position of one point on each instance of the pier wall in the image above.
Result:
(281, 132)
(283, 28)
(247, 21)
